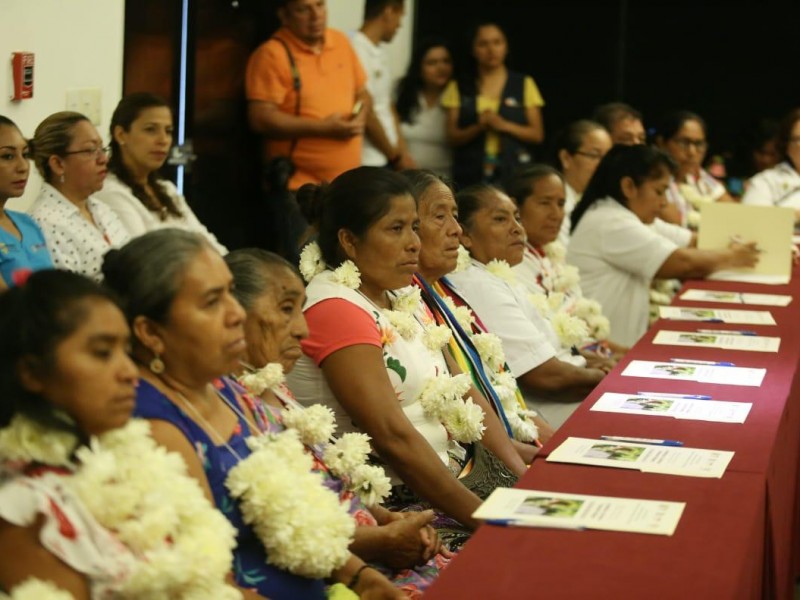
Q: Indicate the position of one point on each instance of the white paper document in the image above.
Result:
(701, 373)
(667, 460)
(736, 297)
(537, 508)
(716, 315)
(753, 343)
(668, 405)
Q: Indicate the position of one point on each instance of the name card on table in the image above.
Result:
(648, 458)
(703, 373)
(770, 227)
(700, 339)
(673, 405)
(537, 508)
(716, 315)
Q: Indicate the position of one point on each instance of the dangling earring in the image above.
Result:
(62, 178)
(157, 365)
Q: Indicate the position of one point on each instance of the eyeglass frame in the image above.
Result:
(685, 144)
(591, 155)
(104, 150)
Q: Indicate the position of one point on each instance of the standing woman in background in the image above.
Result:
(423, 120)
(493, 114)
(73, 163)
(22, 245)
(141, 138)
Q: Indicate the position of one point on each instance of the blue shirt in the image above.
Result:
(30, 252)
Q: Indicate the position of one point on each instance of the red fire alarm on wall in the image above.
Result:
(22, 68)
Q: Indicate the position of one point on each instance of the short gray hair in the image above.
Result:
(251, 268)
(147, 272)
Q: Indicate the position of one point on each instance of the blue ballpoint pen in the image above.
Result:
(637, 440)
(681, 396)
(711, 363)
(520, 523)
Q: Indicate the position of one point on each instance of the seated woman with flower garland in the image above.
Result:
(539, 191)
(292, 532)
(403, 546)
(475, 350)
(554, 377)
(376, 356)
(112, 518)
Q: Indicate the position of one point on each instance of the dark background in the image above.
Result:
(731, 62)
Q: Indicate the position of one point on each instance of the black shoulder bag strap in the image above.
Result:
(296, 85)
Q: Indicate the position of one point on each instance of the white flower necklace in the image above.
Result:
(140, 492)
(36, 589)
(442, 396)
(316, 425)
(312, 264)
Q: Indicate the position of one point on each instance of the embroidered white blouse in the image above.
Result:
(74, 243)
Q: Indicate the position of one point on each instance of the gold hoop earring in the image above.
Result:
(157, 365)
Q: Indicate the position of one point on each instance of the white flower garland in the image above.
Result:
(304, 527)
(442, 398)
(267, 378)
(462, 314)
(502, 269)
(312, 263)
(463, 262)
(490, 349)
(316, 425)
(141, 492)
(36, 589)
(28, 441)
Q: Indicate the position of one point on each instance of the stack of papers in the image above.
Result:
(674, 405)
(536, 508)
(667, 460)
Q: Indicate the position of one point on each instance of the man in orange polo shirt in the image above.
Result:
(327, 129)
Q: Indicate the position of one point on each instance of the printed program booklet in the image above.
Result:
(716, 315)
(537, 508)
(648, 458)
(695, 372)
(736, 297)
(672, 405)
(752, 343)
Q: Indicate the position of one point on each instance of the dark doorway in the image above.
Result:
(222, 183)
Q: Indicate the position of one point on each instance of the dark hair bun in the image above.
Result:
(311, 198)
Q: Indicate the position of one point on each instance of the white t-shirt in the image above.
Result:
(506, 312)
(778, 186)
(379, 84)
(618, 256)
(74, 243)
(138, 219)
(426, 138)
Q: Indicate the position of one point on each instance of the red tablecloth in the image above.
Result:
(737, 536)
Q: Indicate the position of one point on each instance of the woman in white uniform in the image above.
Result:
(780, 185)
(617, 251)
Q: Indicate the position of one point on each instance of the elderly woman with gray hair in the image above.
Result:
(402, 545)
(293, 532)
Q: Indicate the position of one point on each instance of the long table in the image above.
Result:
(737, 537)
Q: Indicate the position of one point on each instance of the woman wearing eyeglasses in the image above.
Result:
(780, 185)
(22, 245)
(141, 137)
(79, 230)
(579, 149)
(682, 135)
